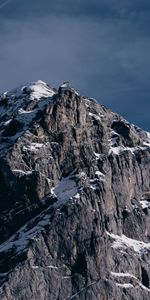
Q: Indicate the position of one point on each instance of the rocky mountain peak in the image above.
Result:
(74, 198)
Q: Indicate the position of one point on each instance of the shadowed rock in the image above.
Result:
(74, 198)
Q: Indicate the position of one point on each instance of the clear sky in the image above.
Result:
(101, 46)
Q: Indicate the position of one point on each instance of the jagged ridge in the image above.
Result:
(75, 198)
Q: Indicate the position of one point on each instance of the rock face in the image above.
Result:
(74, 199)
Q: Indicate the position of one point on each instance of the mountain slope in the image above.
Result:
(74, 198)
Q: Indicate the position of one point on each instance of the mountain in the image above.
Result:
(74, 198)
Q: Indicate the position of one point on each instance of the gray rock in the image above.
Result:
(74, 199)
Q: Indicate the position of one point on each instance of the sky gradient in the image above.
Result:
(102, 47)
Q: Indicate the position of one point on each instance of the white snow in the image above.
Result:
(16, 99)
(52, 267)
(113, 133)
(87, 102)
(82, 174)
(98, 173)
(147, 143)
(123, 242)
(129, 285)
(99, 177)
(65, 190)
(97, 117)
(113, 141)
(22, 172)
(19, 241)
(65, 85)
(35, 267)
(148, 135)
(120, 149)
(33, 147)
(7, 122)
(22, 111)
(114, 148)
(76, 92)
(128, 276)
(145, 204)
(98, 155)
(143, 286)
(93, 187)
(26, 117)
(15, 102)
(39, 89)
(46, 267)
(77, 196)
(125, 285)
(115, 274)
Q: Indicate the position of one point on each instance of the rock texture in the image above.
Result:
(74, 199)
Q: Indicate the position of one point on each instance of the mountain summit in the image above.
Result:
(74, 198)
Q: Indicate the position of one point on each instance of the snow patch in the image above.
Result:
(147, 143)
(22, 111)
(14, 104)
(35, 267)
(145, 204)
(65, 85)
(65, 190)
(125, 285)
(114, 138)
(115, 149)
(123, 242)
(52, 267)
(22, 172)
(97, 117)
(82, 174)
(18, 242)
(97, 155)
(77, 196)
(98, 173)
(120, 149)
(93, 187)
(115, 274)
(38, 90)
(148, 135)
(128, 276)
(7, 122)
(113, 141)
(33, 147)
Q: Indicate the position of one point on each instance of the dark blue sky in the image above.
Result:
(101, 46)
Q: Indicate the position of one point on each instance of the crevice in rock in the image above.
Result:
(93, 243)
(122, 129)
(107, 223)
(125, 214)
(145, 278)
(13, 128)
(80, 266)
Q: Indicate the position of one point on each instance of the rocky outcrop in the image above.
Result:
(74, 198)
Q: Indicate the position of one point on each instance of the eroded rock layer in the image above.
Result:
(74, 199)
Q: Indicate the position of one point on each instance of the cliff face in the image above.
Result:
(74, 199)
